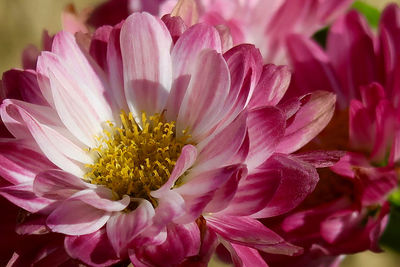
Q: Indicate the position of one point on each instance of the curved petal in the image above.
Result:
(266, 128)
(201, 107)
(145, 49)
(20, 164)
(309, 120)
(57, 184)
(298, 180)
(93, 249)
(249, 256)
(122, 228)
(74, 217)
(185, 52)
(101, 198)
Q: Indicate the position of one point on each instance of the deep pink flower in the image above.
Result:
(131, 144)
(263, 23)
(348, 211)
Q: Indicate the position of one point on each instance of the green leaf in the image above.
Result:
(395, 197)
(371, 13)
(391, 236)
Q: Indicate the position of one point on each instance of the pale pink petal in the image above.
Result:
(74, 217)
(20, 164)
(252, 233)
(272, 86)
(185, 161)
(249, 256)
(93, 249)
(57, 184)
(220, 148)
(81, 106)
(122, 228)
(298, 180)
(184, 54)
(22, 196)
(59, 149)
(309, 121)
(170, 207)
(101, 198)
(145, 48)
(266, 128)
(201, 107)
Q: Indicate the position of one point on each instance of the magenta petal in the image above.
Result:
(93, 249)
(183, 241)
(249, 256)
(184, 53)
(19, 163)
(122, 228)
(57, 184)
(298, 180)
(321, 159)
(266, 128)
(310, 120)
(272, 86)
(145, 48)
(74, 217)
(250, 232)
(22, 196)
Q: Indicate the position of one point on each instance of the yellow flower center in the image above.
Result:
(135, 160)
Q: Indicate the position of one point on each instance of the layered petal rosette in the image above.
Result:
(265, 23)
(134, 144)
(348, 211)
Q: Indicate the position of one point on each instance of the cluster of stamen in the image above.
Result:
(135, 160)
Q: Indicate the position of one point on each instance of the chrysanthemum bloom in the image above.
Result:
(265, 23)
(347, 212)
(129, 144)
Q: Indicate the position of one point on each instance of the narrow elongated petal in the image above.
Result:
(266, 128)
(19, 163)
(74, 217)
(249, 256)
(145, 49)
(309, 121)
(201, 106)
(184, 53)
(122, 228)
(93, 249)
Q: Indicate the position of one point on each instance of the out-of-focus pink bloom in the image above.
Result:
(265, 23)
(124, 148)
(348, 211)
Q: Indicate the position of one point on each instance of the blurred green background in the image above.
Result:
(22, 22)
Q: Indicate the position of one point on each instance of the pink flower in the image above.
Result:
(263, 23)
(348, 211)
(132, 145)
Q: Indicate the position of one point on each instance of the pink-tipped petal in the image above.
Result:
(175, 25)
(93, 249)
(57, 184)
(101, 198)
(310, 120)
(185, 52)
(145, 48)
(74, 217)
(201, 107)
(272, 86)
(266, 128)
(19, 163)
(249, 256)
(122, 228)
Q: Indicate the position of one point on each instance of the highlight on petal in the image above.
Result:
(145, 48)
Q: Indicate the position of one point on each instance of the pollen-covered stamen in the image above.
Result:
(134, 160)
